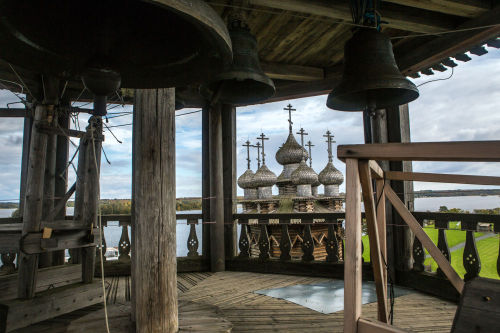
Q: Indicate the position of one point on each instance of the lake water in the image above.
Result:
(112, 233)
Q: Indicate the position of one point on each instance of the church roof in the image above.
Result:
(330, 175)
(291, 152)
(264, 177)
(304, 175)
(247, 180)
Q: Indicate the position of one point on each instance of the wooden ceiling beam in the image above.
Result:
(463, 8)
(398, 17)
(451, 44)
(292, 72)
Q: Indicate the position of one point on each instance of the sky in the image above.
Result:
(464, 107)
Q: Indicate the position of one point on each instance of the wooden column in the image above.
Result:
(28, 125)
(229, 175)
(91, 192)
(155, 266)
(49, 187)
(32, 212)
(205, 181)
(352, 255)
(61, 178)
(217, 257)
(398, 128)
(380, 135)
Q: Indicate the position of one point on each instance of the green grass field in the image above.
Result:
(487, 248)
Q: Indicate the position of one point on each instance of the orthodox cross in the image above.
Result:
(309, 145)
(302, 133)
(262, 138)
(258, 154)
(329, 140)
(290, 123)
(248, 145)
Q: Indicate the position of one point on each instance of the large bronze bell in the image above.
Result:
(244, 82)
(371, 77)
(143, 44)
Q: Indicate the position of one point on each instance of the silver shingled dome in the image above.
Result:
(291, 152)
(264, 177)
(247, 180)
(330, 175)
(304, 175)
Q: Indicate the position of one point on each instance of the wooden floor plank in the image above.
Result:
(233, 294)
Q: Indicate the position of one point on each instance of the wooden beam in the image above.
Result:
(376, 170)
(292, 72)
(436, 254)
(448, 45)
(460, 151)
(14, 113)
(61, 204)
(379, 271)
(52, 303)
(50, 277)
(352, 255)
(371, 326)
(398, 17)
(464, 8)
(442, 178)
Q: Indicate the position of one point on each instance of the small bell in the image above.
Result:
(244, 82)
(371, 77)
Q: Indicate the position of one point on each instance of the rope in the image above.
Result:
(99, 221)
(442, 79)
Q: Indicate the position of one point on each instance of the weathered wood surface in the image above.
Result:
(154, 211)
(217, 249)
(233, 293)
(28, 264)
(50, 277)
(52, 303)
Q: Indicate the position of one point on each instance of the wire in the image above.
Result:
(110, 131)
(22, 82)
(442, 79)
(447, 31)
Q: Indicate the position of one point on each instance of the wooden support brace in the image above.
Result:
(373, 234)
(51, 303)
(440, 259)
(352, 256)
(61, 204)
(442, 178)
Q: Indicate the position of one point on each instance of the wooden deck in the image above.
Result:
(236, 305)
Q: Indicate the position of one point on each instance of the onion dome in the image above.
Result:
(304, 175)
(330, 175)
(291, 152)
(264, 177)
(317, 182)
(247, 180)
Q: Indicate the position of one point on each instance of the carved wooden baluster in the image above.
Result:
(332, 244)
(244, 242)
(471, 260)
(8, 265)
(285, 242)
(307, 242)
(442, 225)
(264, 241)
(104, 247)
(192, 242)
(124, 245)
(418, 253)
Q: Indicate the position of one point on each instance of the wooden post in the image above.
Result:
(229, 175)
(61, 179)
(205, 182)
(49, 187)
(32, 213)
(398, 127)
(217, 257)
(155, 266)
(91, 192)
(380, 135)
(28, 125)
(352, 255)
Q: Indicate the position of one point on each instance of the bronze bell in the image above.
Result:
(140, 44)
(371, 77)
(244, 82)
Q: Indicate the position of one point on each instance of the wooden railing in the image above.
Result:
(191, 259)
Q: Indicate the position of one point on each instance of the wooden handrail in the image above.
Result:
(460, 151)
